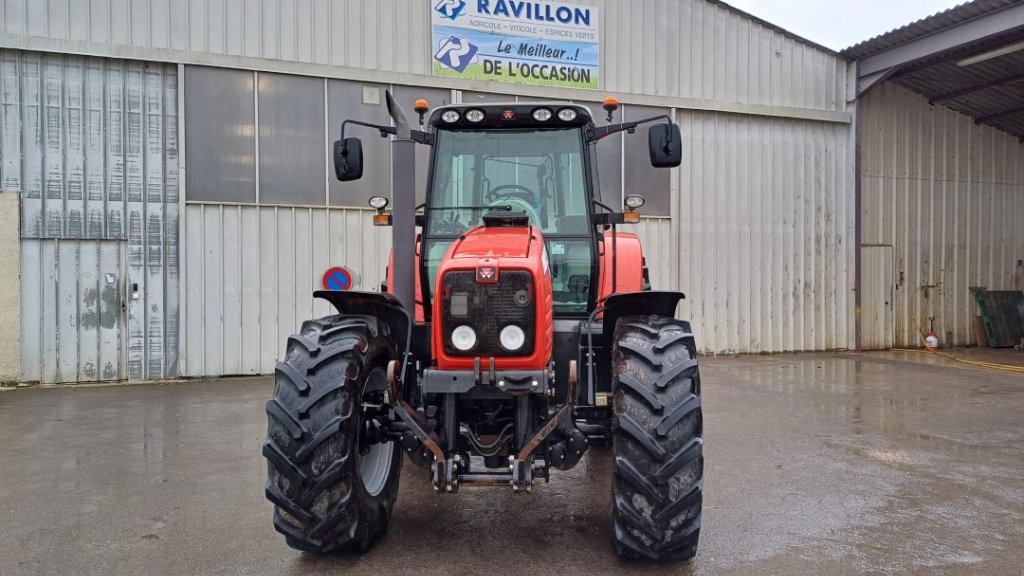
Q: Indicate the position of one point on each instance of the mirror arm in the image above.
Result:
(384, 130)
(595, 134)
(421, 137)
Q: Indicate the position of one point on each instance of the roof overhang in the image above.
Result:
(974, 66)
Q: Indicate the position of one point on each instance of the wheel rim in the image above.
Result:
(375, 465)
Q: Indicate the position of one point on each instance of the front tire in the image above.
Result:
(329, 495)
(658, 444)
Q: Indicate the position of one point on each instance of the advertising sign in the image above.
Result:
(516, 41)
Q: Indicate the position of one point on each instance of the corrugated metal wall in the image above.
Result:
(765, 233)
(250, 275)
(691, 48)
(761, 232)
(948, 196)
(91, 145)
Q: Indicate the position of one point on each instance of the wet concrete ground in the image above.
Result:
(815, 464)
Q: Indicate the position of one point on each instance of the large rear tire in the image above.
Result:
(329, 494)
(658, 444)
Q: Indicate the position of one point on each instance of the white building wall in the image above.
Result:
(948, 196)
(90, 147)
(250, 273)
(701, 54)
(760, 236)
(764, 219)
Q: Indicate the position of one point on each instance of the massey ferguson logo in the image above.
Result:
(487, 274)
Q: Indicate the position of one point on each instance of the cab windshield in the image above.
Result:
(536, 172)
(539, 173)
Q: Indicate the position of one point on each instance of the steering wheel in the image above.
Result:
(524, 192)
(517, 204)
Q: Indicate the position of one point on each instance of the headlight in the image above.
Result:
(464, 338)
(566, 114)
(542, 114)
(450, 116)
(634, 201)
(475, 115)
(378, 202)
(512, 337)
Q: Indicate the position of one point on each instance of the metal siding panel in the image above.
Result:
(53, 146)
(135, 215)
(234, 27)
(88, 310)
(229, 270)
(764, 258)
(74, 155)
(72, 177)
(111, 321)
(253, 322)
(304, 26)
(117, 224)
(10, 122)
(214, 14)
(14, 16)
(32, 286)
(249, 13)
(160, 16)
(320, 255)
(195, 291)
(120, 18)
(946, 194)
(172, 228)
(270, 340)
(321, 31)
(696, 49)
(304, 272)
(285, 272)
(153, 119)
(214, 260)
(255, 269)
(66, 293)
(48, 313)
(98, 21)
(95, 198)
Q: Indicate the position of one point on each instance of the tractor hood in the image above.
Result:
(493, 277)
(488, 242)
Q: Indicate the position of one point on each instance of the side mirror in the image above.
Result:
(666, 145)
(348, 159)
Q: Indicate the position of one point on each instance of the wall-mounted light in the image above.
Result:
(986, 56)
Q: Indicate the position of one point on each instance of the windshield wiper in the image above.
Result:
(505, 207)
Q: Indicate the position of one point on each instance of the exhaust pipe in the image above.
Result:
(403, 190)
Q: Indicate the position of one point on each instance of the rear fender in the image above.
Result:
(377, 304)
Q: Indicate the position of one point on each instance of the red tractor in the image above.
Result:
(514, 331)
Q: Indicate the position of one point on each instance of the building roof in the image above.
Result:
(935, 22)
(969, 58)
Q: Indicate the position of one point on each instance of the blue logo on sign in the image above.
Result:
(450, 9)
(456, 53)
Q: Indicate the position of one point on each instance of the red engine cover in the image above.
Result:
(488, 252)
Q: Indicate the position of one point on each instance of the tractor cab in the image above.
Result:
(515, 159)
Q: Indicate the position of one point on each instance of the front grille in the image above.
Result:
(490, 308)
